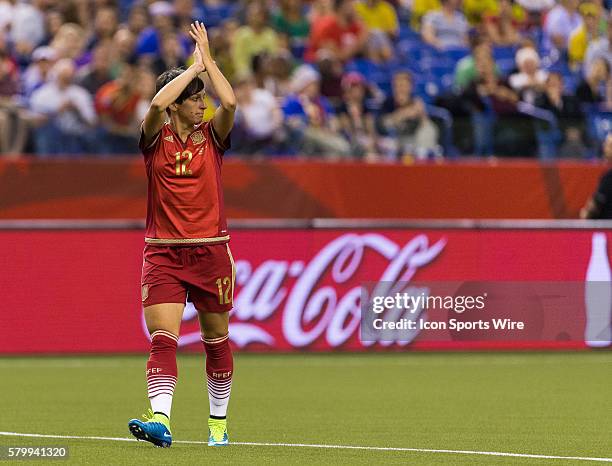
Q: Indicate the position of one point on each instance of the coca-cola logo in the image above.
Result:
(315, 299)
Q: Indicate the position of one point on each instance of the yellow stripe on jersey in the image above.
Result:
(187, 240)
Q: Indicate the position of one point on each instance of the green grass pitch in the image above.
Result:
(557, 404)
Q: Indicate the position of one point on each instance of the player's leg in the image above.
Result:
(211, 291)
(219, 372)
(163, 322)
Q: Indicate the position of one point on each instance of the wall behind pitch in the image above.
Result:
(116, 188)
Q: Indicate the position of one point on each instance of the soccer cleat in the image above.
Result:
(155, 429)
(217, 432)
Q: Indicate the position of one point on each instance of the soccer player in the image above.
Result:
(186, 251)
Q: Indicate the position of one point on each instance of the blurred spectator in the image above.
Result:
(220, 47)
(66, 114)
(469, 68)
(559, 24)
(600, 48)
(277, 76)
(356, 120)
(340, 33)
(503, 26)
(595, 86)
(566, 108)
(331, 69)
(258, 120)
(146, 87)
(530, 78)
(70, 42)
(320, 9)
(98, 72)
(309, 118)
(599, 205)
(252, 39)
(476, 10)
(489, 97)
(585, 34)
(171, 54)
(290, 20)
(536, 6)
(404, 120)
(25, 22)
(116, 103)
(186, 12)
(53, 22)
(105, 26)
(37, 73)
(164, 22)
(378, 15)
(419, 8)
(573, 147)
(12, 125)
(138, 19)
(123, 46)
(446, 28)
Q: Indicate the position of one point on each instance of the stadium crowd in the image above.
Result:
(369, 79)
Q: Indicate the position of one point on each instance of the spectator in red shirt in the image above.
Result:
(340, 33)
(116, 104)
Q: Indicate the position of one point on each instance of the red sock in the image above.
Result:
(162, 371)
(219, 371)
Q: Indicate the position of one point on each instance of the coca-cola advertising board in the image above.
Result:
(67, 291)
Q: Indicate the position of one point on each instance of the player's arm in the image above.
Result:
(590, 210)
(223, 119)
(167, 95)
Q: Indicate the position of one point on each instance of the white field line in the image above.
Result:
(336, 447)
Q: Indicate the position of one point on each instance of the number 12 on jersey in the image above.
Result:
(183, 159)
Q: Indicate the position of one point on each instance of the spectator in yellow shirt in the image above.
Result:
(584, 34)
(253, 39)
(378, 15)
(475, 10)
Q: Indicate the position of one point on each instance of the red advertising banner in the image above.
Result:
(296, 289)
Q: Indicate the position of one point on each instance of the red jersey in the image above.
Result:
(185, 197)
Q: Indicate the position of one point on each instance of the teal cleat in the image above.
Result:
(155, 429)
(217, 432)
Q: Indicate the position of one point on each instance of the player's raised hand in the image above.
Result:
(197, 59)
(199, 34)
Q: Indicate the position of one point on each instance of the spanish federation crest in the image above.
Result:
(197, 137)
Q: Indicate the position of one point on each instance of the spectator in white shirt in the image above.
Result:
(446, 28)
(66, 112)
(26, 23)
(258, 119)
(531, 79)
(560, 22)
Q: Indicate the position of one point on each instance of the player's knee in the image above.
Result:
(163, 341)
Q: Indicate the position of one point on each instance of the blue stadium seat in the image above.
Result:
(456, 54)
(406, 32)
(504, 53)
(505, 65)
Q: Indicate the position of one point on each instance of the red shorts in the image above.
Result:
(202, 274)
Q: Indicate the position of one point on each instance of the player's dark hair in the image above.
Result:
(194, 87)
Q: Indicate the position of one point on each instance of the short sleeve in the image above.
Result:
(221, 145)
(149, 149)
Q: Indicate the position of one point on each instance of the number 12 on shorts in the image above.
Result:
(225, 297)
